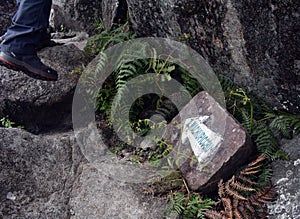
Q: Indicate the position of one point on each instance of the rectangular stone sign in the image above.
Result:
(209, 144)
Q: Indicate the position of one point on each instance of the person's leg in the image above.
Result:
(18, 49)
(30, 20)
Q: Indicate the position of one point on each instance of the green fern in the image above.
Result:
(105, 38)
(176, 203)
(265, 141)
(189, 207)
(190, 82)
(285, 123)
(197, 206)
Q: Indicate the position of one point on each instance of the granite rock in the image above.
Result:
(98, 196)
(251, 43)
(35, 103)
(46, 176)
(36, 174)
(76, 15)
(286, 179)
(7, 9)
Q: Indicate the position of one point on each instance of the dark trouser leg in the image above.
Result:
(31, 18)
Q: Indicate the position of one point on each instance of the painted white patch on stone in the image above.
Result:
(204, 142)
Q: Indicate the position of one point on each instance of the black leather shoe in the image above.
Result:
(45, 41)
(29, 64)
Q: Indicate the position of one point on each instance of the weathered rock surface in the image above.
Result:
(104, 197)
(286, 178)
(252, 43)
(7, 9)
(37, 174)
(46, 176)
(210, 149)
(36, 104)
(76, 15)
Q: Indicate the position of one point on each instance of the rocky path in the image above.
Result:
(44, 175)
(42, 171)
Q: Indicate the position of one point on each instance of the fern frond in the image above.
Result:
(259, 159)
(253, 200)
(265, 141)
(284, 122)
(176, 204)
(250, 208)
(249, 172)
(237, 214)
(247, 180)
(265, 177)
(227, 206)
(238, 186)
(246, 120)
(213, 214)
(233, 193)
(221, 190)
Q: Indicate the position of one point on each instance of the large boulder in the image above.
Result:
(40, 105)
(36, 174)
(252, 43)
(82, 15)
(85, 15)
(46, 176)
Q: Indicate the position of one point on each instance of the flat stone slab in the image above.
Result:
(34, 103)
(209, 144)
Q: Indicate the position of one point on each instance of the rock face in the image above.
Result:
(34, 103)
(46, 176)
(7, 9)
(286, 178)
(37, 174)
(252, 43)
(75, 15)
(209, 143)
(103, 197)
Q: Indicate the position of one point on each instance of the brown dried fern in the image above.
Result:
(239, 186)
(241, 196)
(228, 207)
(247, 181)
(232, 192)
(257, 160)
(213, 214)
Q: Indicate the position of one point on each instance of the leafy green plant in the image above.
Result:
(191, 206)
(284, 122)
(104, 38)
(7, 123)
(260, 121)
(253, 113)
(76, 71)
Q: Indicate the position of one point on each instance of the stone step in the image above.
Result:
(42, 105)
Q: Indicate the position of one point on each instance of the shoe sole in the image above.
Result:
(18, 65)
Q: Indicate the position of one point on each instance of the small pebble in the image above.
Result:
(11, 196)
